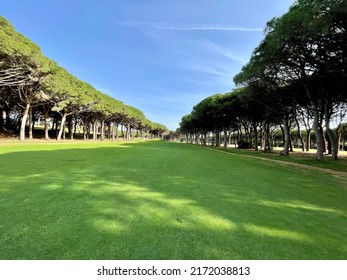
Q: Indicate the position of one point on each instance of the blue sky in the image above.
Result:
(160, 56)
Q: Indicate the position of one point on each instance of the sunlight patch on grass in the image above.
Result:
(300, 205)
(277, 233)
(52, 187)
(212, 222)
(159, 209)
(109, 226)
(182, 212)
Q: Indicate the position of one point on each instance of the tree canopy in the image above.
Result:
(29, 80)
(299, 66)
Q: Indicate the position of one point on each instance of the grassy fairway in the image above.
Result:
(159, 200)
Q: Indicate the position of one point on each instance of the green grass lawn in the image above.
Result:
(160, 200)
(296, 157)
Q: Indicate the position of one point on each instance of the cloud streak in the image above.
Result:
(225, 53)
(197, 27)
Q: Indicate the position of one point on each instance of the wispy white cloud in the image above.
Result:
(193, 27)
(224, 52)
(217, 61)
(206, 68)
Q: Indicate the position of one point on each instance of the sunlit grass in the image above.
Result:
(159, 200)
(277, 233)
(296, 157)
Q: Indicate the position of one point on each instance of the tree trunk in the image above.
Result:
(286, 131)
(71, 127)
(317, 128)
(127, 132)
(230, 134)
(217, 144)
(62, 126)
(113, 131)
(308, 140)
(54, 126)
(333, 146)
(256, 144)
(299, 134)
(122, 131)
(102, 130)
(23, 122)
(2, 118)
(64, 132)
(318, 133)
(95, 131)
(267, 147)
(109, 127)
(225, 132)
(45, 113)
(85, 125)
(30, 116)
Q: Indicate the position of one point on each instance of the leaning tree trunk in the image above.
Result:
(23, 122)
(62, 126)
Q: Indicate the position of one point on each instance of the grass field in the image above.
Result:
(159, 200)
(307, 158)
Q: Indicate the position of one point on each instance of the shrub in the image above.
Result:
(244, 145)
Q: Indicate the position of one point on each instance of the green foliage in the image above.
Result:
(301, 62)
(67, 93)
(13, 43)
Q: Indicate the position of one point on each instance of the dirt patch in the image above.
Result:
(7, 137)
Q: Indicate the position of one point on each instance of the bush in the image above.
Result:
(244, 145)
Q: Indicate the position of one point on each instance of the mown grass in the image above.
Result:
(296, 157)
(159, 200)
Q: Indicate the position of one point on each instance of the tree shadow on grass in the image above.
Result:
(165, 201)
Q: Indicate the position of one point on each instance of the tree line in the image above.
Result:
(34, 87)
(296, 79)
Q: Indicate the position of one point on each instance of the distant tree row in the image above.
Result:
(34, 87)
(296, 78)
